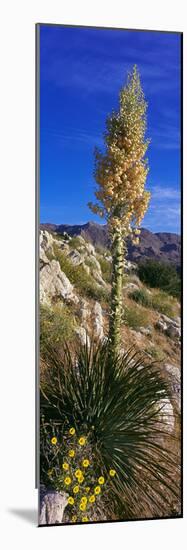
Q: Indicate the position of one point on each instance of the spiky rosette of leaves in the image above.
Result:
(118, 404)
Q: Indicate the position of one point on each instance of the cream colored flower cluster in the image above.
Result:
(122, 170)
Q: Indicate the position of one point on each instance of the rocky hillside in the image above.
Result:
(159, 246)
(74, 296)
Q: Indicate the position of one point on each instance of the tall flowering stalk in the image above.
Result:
(120, 173)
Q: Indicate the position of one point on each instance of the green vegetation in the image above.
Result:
(160, 301)
(160, 275)
(56, 326)
(106, 269)
(163, 303)
(135, 317)
(75, 242)
(107, 412)
(142, 297)
(78, 276)
(155, 353)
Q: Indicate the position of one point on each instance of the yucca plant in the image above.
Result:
(117, 407)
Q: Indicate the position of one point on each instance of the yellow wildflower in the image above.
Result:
(74, 519)
(50, 472)
(112, 473)
(97, 490)
(82, 440)
(72, 431)
(76, 489)
(101, 480)
(92, 498)
(81, 479)
(78, 473)
(85, 519)
(82, 506)
(71, 453)
(84, 500)
(85, 463)
(65, 466)
(71, 500)
(67, 480)
(87, 489)
(54, 440)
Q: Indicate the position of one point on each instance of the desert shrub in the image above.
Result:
(49, 255)
(108, 413)
(56, 326)
(163, 303)
(101, 250)
(106, 269)
(135, 317)
(134, 279)
(142, 297)
(155, 353)
(80, 278)
(75, 242)
(161, 275)
(160, 301)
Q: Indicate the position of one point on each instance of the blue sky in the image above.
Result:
(81, 73)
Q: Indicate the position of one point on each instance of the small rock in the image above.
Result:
(147, 331)
(98, 278)
(84, 310)
(90, 248)
(75, 257)
(161, 325)
(46, 240)
(129, 266)
(83, 336)
(98, 321)
(173, 331)
(165, 409)
(137, 334)
(175, 378)
(43, 258)
(131, 286)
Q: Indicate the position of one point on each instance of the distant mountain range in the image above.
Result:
(158, 246)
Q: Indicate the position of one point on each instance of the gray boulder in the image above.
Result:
(52, 507)
(55, 284)
(169, 326)
(174, 375)
(147, 331)
(166, 415)
(75, 257)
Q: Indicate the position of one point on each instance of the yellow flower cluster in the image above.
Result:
(82, 496)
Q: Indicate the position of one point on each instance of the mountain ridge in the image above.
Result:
(163, 246)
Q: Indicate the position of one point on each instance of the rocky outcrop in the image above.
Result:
(75, 257)
(83, 336)
(169, 326)
(52, 507)
(54, 284)
(166, 415)
(173, 373)
(98, 321)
